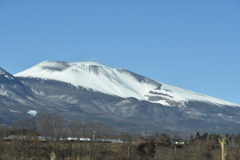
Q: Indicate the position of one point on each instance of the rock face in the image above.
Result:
(90, 91)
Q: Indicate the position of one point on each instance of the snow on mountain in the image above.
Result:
(32, 112)
(181, 94)
(118, 82)
(91, 76)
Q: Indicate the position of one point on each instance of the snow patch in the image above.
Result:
(194, 112)
(163, 102)
(4, 93)
(9, 77)
(32, 112)
(14, 111)
(225, 117)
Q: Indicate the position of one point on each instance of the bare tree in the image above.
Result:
(237, 140)
(25, 125)
(51, 125)
(76, 129)
(59, 126)
(97, 130)
(125, 137)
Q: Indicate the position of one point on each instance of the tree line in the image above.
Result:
(53, 127)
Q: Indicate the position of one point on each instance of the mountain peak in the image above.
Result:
(62, 65)
(67, 64)
(89, 75)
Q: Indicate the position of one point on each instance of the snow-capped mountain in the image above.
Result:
(117, 82)
(89, 91)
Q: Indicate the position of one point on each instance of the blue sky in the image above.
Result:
(190, 44)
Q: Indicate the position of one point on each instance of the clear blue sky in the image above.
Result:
(190, 44)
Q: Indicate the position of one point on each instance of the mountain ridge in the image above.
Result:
(118, 82)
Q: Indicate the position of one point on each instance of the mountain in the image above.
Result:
(116, 82)
(91, 91)
(15, 97)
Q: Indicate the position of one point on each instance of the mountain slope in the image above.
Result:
(89, 91)
(117, 82)
(16, 99)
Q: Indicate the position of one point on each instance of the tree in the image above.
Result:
(125, 137)
(3, 133)
(213, 138)
(51, 125)
(163, 138)
(205, 136)
(96, 130)
(76, 129)
(198, 136)
(151, 149)
(237, 139)
(25, 125)
(59, 126)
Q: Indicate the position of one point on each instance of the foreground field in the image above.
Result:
(143, 150)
